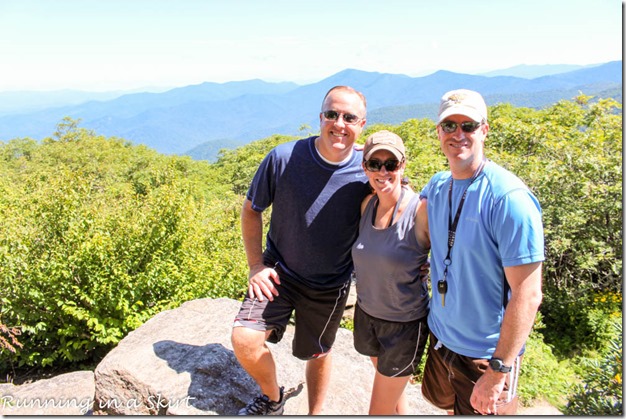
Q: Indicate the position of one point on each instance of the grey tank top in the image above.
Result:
(387, 266)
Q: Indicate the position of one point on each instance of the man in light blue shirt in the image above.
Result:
(486, 258)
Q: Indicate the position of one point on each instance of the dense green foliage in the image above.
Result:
(571, 157)
(543, 375)
(602, 391)
(98, 235)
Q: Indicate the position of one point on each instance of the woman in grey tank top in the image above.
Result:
(392, 295)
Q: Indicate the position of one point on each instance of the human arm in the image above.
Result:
(261, 278)
(518, 320)
(422, 233)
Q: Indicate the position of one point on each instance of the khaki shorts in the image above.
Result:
(318, 314)
(449, 381)
(399, 346)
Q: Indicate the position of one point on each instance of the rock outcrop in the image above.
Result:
(66, 394)
(181, 362)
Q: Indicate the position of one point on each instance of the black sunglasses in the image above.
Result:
(348, 118)
(450, 127)
(374, 165)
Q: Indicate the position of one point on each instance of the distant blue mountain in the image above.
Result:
(16, 102)
(210, 116)
(533, 71)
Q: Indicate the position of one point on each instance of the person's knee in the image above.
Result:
(246, 342)
(320, 358)
(319, 362)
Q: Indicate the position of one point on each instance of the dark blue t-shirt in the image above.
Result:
(315, 211)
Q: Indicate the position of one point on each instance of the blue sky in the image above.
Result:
(100, 45)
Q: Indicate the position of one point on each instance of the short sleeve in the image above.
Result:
(263, 185)
(518, 228)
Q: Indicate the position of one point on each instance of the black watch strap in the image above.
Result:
(497, 364)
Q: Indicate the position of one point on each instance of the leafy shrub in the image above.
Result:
(543, 376)
(97, 236)
(602, 390)
(237, 167)
(570, 155)
(580, 323)
(8, 338)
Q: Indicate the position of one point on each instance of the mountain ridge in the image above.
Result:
(182, 119)
(533, 71)
(22, 101)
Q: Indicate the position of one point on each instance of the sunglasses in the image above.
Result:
(348, 118)
(374, 165)
(450, 127)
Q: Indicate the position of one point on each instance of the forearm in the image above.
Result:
(519, 316)
(516, 326)
(261, 279)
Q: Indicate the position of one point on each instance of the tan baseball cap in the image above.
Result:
(384, 140)
(463, 102)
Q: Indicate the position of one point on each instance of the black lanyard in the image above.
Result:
(442, 285)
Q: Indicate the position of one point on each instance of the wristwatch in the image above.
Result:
(497, 364)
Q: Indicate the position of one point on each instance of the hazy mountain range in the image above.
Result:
(533, 71)
(201, 119)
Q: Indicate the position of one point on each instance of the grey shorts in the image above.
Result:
(318, 314)
(399, 346)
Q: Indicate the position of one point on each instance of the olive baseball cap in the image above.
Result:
(384, 140)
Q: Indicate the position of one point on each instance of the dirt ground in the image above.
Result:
(539, 408)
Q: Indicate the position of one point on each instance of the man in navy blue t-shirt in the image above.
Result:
(315, 187)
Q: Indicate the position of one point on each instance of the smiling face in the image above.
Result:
(383, 181)
(336, 137)
(464, 150)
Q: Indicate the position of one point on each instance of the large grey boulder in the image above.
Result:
(181, 362)
(66, 394)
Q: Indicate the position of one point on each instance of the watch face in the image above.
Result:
(495, 364)
(498, 365)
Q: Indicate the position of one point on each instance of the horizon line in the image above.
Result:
(164, 88)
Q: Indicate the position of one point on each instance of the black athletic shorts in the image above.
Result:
(399, 346)
(318, 314)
